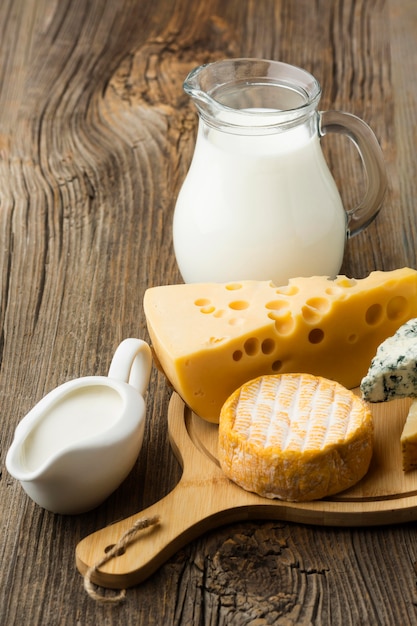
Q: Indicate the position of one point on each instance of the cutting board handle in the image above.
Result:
(199, 502)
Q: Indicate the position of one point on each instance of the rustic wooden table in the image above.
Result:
(96, 136)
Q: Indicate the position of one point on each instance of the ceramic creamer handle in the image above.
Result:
(371, 154)
(132, 363)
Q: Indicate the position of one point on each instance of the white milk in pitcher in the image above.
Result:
(259, 207)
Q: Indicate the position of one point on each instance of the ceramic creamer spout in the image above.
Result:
(77, 445)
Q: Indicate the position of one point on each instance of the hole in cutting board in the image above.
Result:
(111, 546)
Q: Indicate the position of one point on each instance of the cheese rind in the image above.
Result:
(393, 370)
(409, 440)
(211, 338)
(295, 437)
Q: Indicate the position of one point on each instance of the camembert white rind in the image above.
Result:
(295, 437)
(211, 338)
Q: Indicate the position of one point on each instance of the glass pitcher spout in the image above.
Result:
(252, 94)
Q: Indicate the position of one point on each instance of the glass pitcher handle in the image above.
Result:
(371, 154)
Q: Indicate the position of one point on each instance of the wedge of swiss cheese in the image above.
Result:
(211, 338)
(295, 437)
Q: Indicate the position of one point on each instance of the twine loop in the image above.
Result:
(116, 550)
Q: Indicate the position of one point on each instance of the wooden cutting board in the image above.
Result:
(204, 498)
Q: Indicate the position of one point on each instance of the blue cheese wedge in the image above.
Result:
(393, 370)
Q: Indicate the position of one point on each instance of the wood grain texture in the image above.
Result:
(96, 136)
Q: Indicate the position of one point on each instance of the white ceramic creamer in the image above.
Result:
(259, 201)
(76, 446)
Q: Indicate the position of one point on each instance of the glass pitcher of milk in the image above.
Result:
(259, 201)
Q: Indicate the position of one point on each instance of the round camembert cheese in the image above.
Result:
(295, 437)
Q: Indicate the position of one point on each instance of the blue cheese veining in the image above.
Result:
(393, 370)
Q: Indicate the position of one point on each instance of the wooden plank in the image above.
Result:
(96, 136)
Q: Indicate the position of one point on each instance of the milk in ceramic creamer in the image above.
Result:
(260, 207)
(86, 413)
(81, 440)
